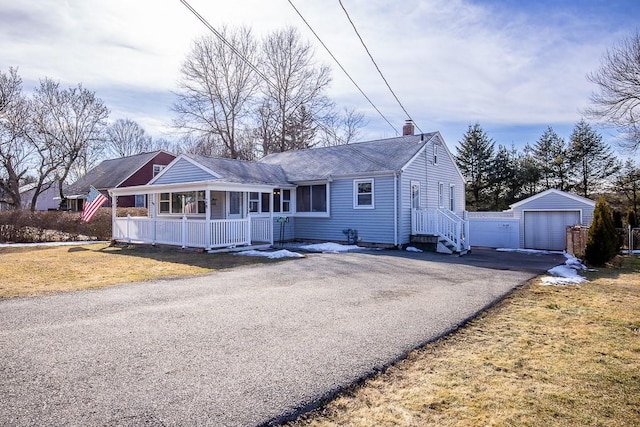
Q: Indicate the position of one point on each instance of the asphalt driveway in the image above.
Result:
(240, 347)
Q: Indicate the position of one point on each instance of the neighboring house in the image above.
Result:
(117, 173)
(539, 222)
(378, 192)
(48, 200)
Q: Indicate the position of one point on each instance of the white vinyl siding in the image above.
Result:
(372, 225)
(183, 171)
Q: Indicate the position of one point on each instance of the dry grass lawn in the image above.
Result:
(556, 356)
(37, 270)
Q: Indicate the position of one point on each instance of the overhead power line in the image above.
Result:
(341, 67)
(376, 65)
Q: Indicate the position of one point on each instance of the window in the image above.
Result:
(165, 203)
(415, 194)
(452, 198)
(141, 201)
(363, 194)
(435, 154)
(254, 202)
(157, 169)
(235, 203)
(264, 205)
(191, 202)
(311, 198)
(286, 200)
(441, 194)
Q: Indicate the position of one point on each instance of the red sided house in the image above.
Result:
(128, 171)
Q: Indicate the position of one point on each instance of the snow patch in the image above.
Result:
(567, 273)
(283, 253)
(330, 247)
(413, 249)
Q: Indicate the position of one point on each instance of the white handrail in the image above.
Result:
(445, 224)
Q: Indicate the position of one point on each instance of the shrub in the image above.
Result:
(602, 242)
(23, 226)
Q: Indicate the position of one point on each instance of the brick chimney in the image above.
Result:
(408, 128)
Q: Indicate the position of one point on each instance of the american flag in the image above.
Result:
(95, 199)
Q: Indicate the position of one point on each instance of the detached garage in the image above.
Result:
(542, 221)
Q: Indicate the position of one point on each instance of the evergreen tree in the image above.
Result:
(627, 182)
(474, 157)
(528, 174)
(550, 154)
(502, 177)
(592, 159)
(632, 219)
(602, 241)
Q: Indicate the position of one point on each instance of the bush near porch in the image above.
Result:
(23, 226)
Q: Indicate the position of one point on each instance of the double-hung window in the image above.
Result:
(441, 194)
(363, 194)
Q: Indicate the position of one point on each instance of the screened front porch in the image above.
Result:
(202, 215)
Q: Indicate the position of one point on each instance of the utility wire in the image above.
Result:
(342, 68)
(249, 63)
(376, 65)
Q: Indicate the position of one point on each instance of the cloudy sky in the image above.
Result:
(514, 66)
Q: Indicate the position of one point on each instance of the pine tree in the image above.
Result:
(632, 220)
(474, 157)
(592, 159)
(551, 157)
(602, 241)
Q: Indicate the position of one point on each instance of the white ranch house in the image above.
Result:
(379, 193)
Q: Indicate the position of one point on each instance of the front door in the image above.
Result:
(234, 205)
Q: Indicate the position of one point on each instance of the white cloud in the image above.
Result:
(449, 61)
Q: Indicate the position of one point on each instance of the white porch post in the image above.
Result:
(184, 231)
(207, 221)
(114, 214)
(271, 215)
(128, 228)
(154, 215)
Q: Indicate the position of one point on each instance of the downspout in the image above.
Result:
(395, 209)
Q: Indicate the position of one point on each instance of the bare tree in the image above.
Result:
(294, 99)
(216, 91)
(342, 128)
(125, 137)
(618, 100)
(67, 123)
(14, 148)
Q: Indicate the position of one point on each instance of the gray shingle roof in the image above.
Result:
(110, 173)
(241, 171)
(360, 158)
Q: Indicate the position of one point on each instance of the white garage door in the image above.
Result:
(547, 229)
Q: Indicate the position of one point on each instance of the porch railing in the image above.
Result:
(186, 232)
(442, 223)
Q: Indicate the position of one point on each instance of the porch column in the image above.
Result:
(271, 214)
(154, 215)
(114, 214)
(207, 221)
